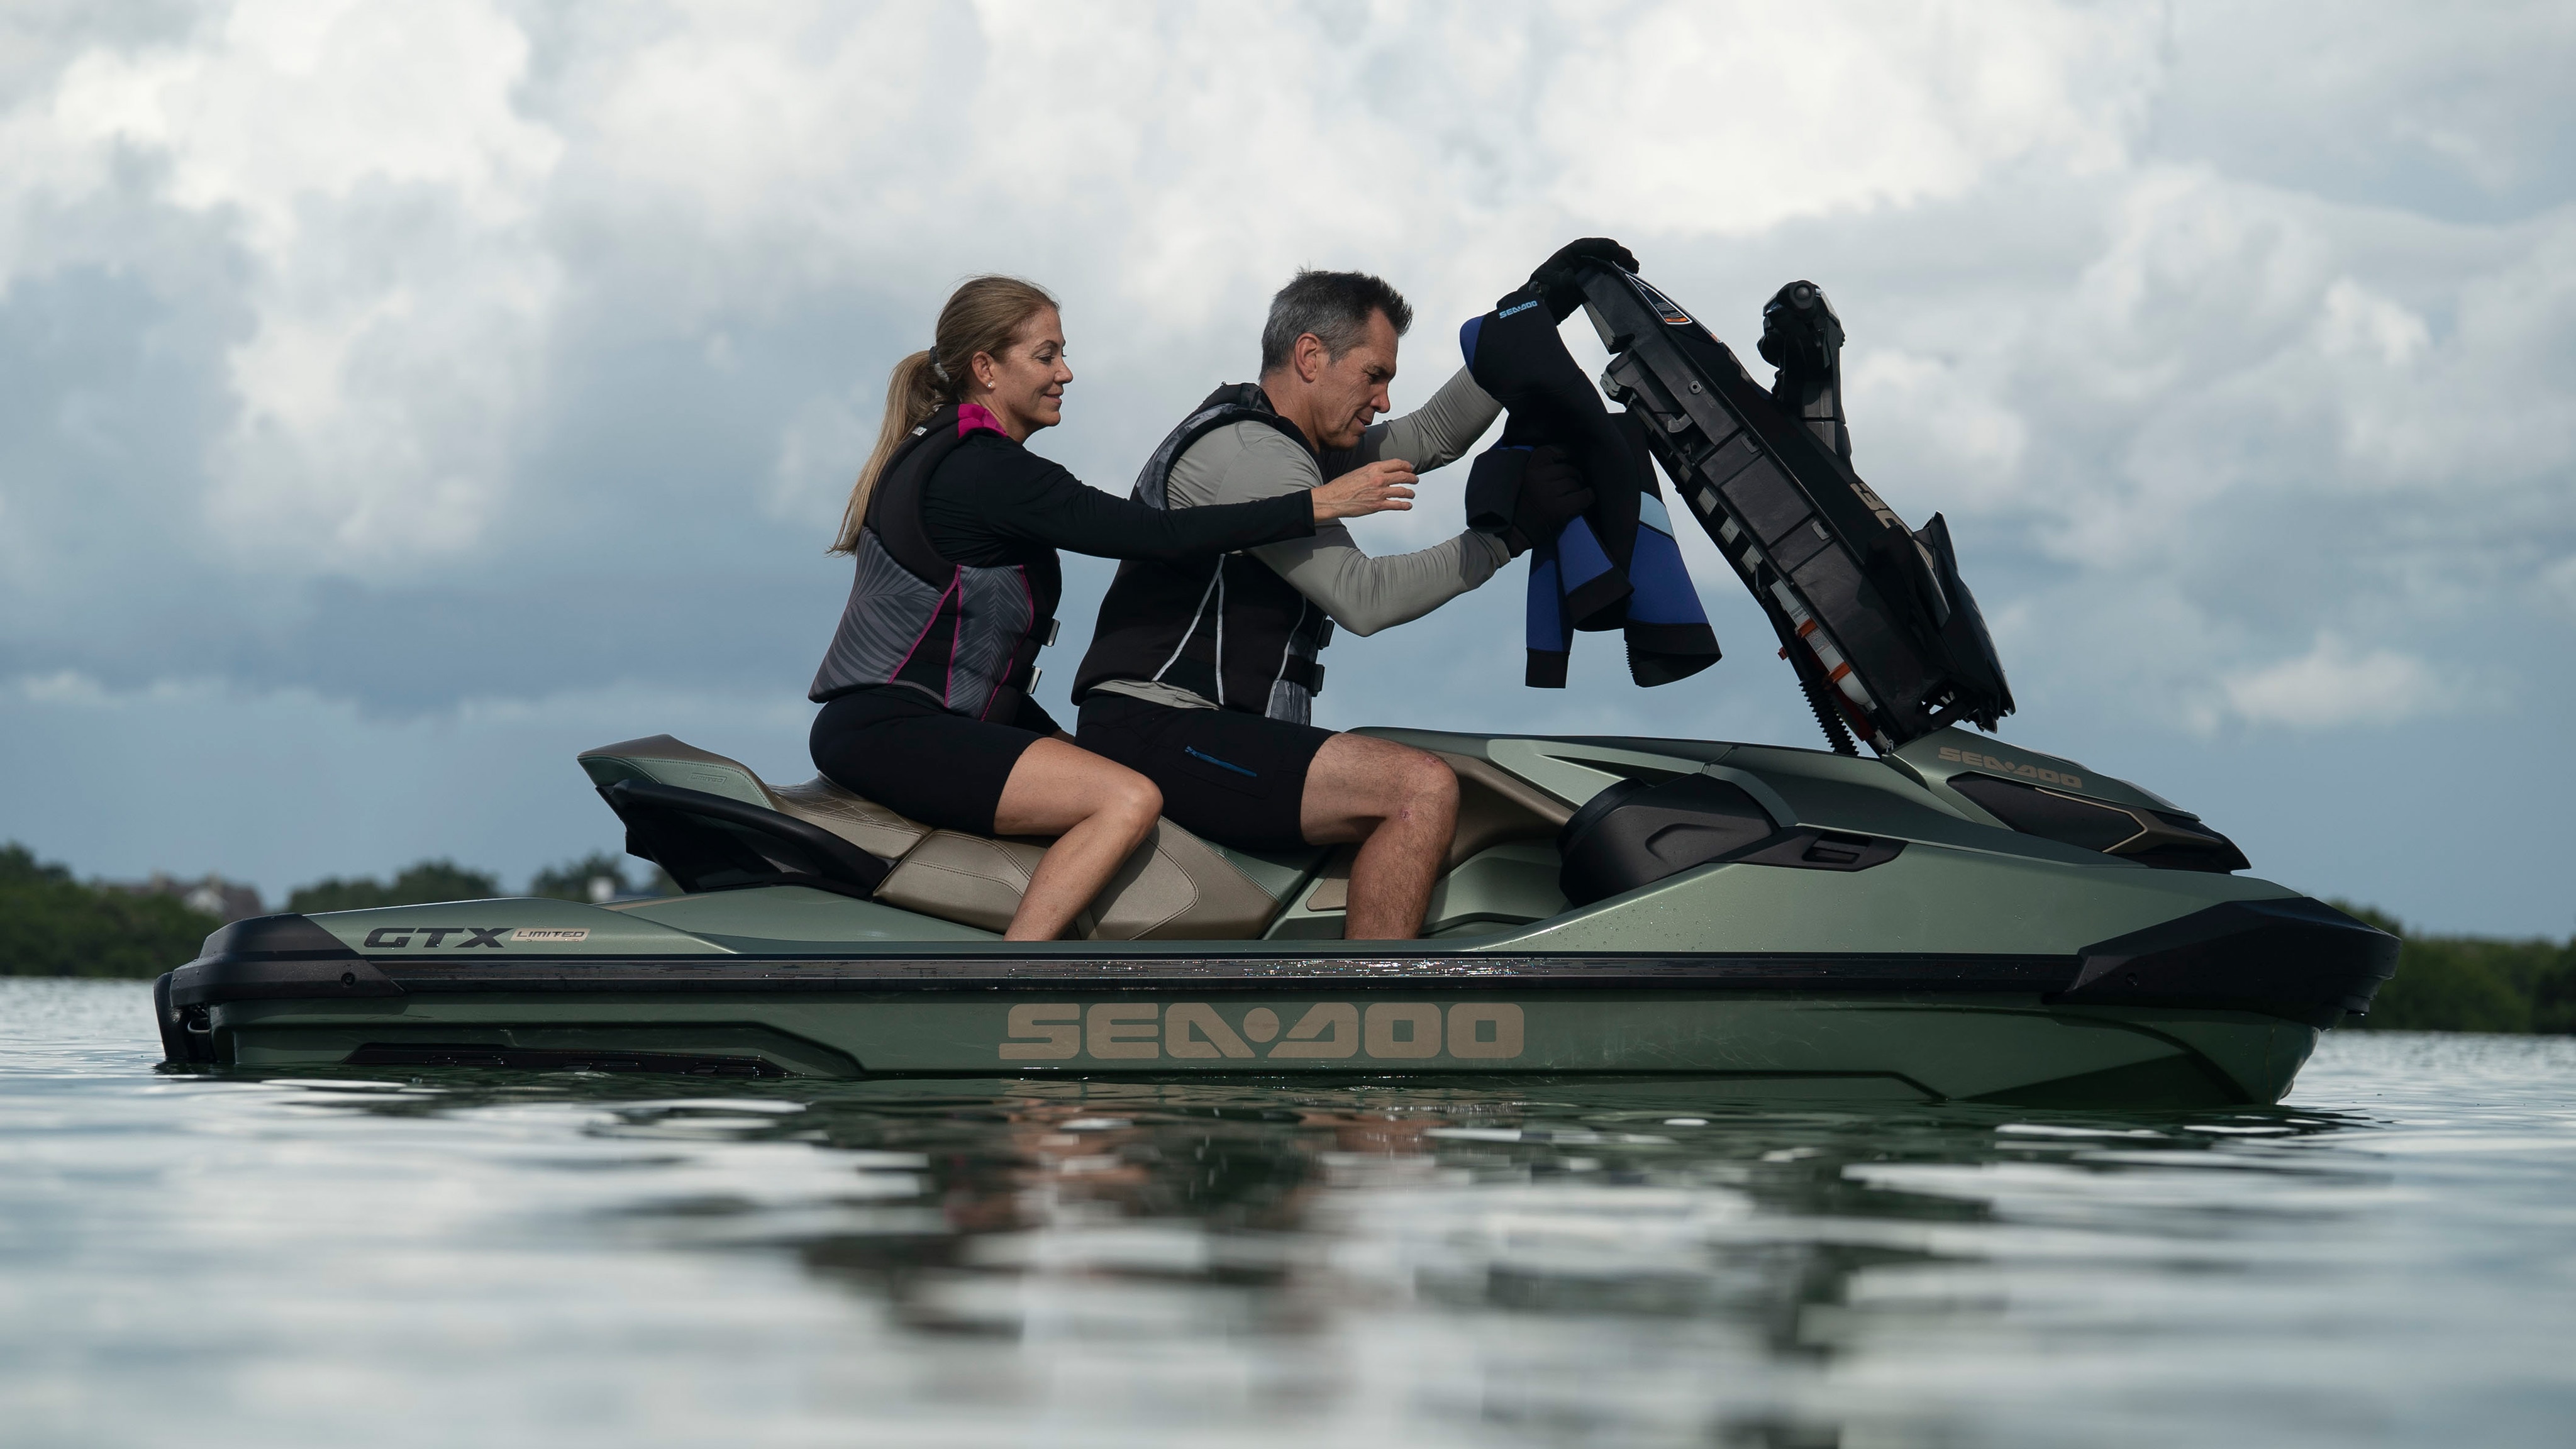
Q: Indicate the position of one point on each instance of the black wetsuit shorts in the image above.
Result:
(892, 745)
(1235, 778)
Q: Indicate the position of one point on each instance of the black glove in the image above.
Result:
(1523, 496)
(1557, 279)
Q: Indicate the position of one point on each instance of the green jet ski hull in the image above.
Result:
(1988, 1047)
(1385, 1020)
(1951, 958)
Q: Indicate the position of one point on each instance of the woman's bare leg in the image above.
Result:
(1099, 810)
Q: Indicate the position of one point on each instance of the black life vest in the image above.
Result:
(965, 635)
(1227, 628)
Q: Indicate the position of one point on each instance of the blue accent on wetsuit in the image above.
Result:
(1199, 754)
(1617, 566)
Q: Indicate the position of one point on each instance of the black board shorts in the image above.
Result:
(894, 746)
(1235, 778)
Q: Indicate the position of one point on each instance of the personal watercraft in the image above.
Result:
(1956, 919)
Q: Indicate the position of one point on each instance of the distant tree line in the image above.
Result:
(54, 925)
(2474, 983)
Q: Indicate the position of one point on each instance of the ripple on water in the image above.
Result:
(411, 1257)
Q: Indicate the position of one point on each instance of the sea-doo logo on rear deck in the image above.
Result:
(1328, 1030)
(2017, 768)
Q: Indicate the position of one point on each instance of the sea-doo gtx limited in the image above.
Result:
(1956, 919)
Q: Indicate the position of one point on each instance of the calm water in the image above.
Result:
(573, 1259)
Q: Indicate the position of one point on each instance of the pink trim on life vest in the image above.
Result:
(972, 416)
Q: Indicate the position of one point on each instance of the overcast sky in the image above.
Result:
(395, 399)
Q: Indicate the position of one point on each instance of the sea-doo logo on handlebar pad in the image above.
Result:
(2020, 768)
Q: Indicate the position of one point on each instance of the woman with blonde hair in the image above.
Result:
(954, 525)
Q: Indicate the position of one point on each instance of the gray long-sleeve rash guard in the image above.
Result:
(1362, 594)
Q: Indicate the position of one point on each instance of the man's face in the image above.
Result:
(1351, 390)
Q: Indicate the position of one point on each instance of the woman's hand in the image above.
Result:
(1385, 486)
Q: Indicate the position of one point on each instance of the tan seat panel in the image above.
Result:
(1177, 889)
(1174, 889)
(971, 879)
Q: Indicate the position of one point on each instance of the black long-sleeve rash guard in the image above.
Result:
(993, 502)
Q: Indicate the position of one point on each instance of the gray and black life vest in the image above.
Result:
(1228, 628)
(966, 636)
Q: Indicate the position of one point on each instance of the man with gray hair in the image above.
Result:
(1200, 673)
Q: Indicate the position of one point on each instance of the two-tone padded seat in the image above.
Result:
(1179, 889)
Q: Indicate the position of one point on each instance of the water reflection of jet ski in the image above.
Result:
(1957, 919)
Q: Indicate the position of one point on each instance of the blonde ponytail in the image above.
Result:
(982, 315)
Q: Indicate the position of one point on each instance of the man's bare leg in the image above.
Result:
(1402, 805)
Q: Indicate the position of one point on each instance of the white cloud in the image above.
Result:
(381, 183)
(1727, 120)
(287, 102)
(1933, 416)
(2367, 327)
(2253, 416)
(2332, 686)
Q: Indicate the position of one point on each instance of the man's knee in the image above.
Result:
(1425, 787)
(1358, 783)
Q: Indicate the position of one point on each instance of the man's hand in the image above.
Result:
(1385, 486)
(1555, 280)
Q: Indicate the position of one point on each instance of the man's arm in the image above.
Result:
(1365, 594)
(1362, 594)
(1440, 431)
